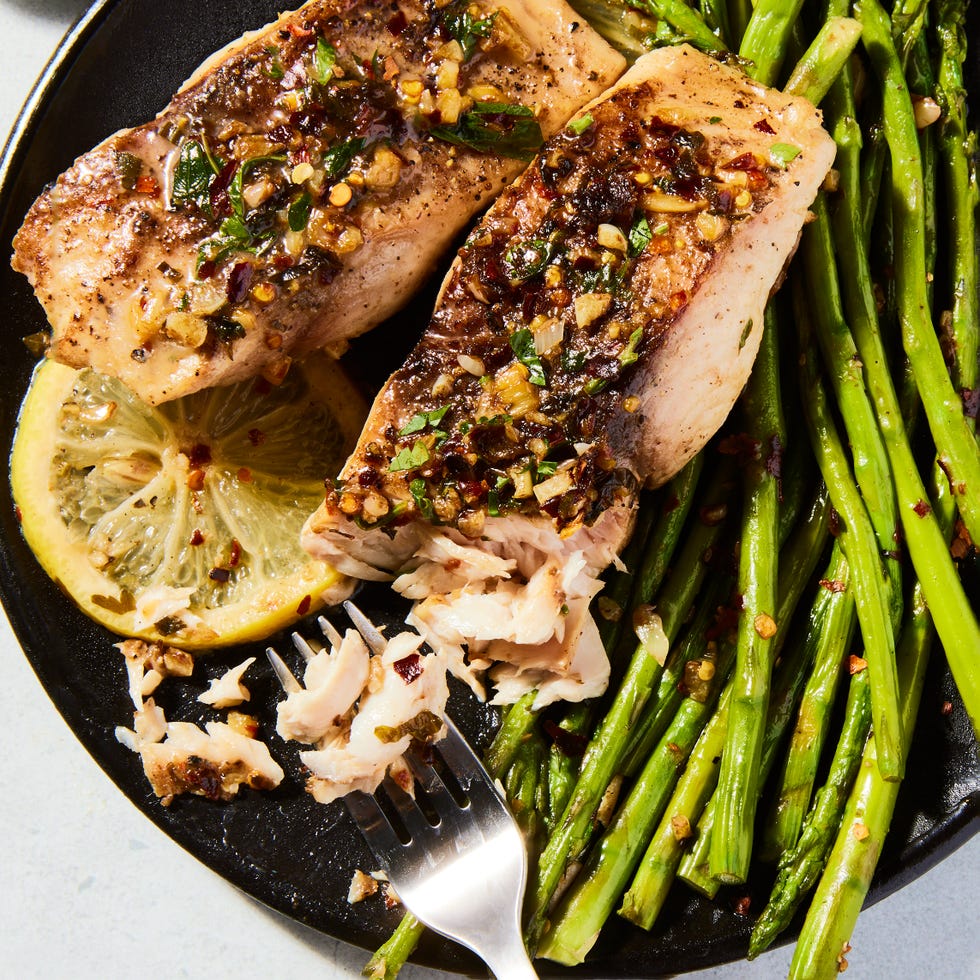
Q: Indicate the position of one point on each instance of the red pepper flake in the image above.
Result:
(207, 269)
(256, 437)
(409, 668)
(197, 537)
(763, 127)
(856, 664)
(834, 524)
(244, 474)
(304, 606)
(146, 184)
(195, 480)
(743, 904)
(235, 555)
(946, 709)
(922, 508)
(678, 300)
(298, 31)
(239, 282)
(219, 574)
(397, 24)
(833, 584)
(742, 446)
(19, 514)
(568, 743)
(199, 455)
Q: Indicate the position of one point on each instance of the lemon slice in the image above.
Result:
(181, 523)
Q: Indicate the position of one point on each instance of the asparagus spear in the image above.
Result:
(608, 744)
(821, 64)
(800, 867)
(646, 895)
(738, 781)
(957, 151)
(685, 21)
(943, 406)
(585, 907)
(955, 620)
(390, 957)
(791, 798)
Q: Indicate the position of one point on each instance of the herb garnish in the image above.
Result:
(338, 158)
(640, 236)
(410, 459)
(782, 154)
(524, 260)
(628, 354)
(419, 422)
(324, 59)
(298, 215)
(580, 125)
(417, 488)
(522, 344)
(466, 28)
(495, 127)
(192, 176)
(129, 167)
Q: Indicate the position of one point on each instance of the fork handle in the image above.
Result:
(510, 962)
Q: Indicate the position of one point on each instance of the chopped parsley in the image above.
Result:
(524, 260)
(421, 421)
(324, 60)
(640, 236)
(410, 459)
(417, 488)
(522, 344)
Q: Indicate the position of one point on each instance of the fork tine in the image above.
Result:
(329, 631)
(370, 633)
(409, 812)
(467, 768)
(374, 825)
(283, 674)
(303, 646)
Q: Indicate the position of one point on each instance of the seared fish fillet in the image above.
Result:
(300, 185)
(593, 333)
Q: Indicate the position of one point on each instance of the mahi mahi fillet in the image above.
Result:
(300, 186)
(593, 333)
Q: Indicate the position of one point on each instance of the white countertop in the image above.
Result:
(91, 889)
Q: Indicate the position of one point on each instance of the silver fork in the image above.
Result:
(459, 864)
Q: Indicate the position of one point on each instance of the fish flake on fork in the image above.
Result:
(451, 849)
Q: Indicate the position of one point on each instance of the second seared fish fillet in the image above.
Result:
(300, 186)
(594, 332)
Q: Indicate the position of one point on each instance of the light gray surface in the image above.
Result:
(91, 889)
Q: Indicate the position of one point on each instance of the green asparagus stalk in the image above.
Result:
(607, 746)
(861, 832)
(954, 617)
(390, 957)
(824, 59)
(957, 151)
(764, 43)
(686, 22)
(646, 895)
(800, 867)
(517, 722)
(791, 799)
(870, 584)
(943, 406)
(587, 904)
(738, 782)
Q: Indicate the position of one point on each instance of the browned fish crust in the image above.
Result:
(525, 393)
(300, 186)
